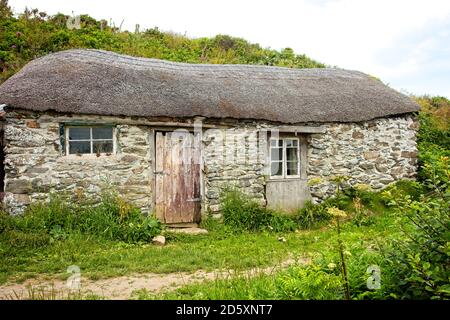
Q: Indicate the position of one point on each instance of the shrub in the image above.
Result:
(241, 213)
(430, 161)
(312, 215)
(362, 216)
(421, 260)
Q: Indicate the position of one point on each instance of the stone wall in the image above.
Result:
(233, 158)
(376, 153)
(35, 165)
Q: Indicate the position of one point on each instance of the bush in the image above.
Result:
(312, 215)
(33, 34)
(421, 260)
(241, 213)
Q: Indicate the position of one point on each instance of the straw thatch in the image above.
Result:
(106, 83)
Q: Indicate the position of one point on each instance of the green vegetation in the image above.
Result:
(243, 214)
(33, 34)
(434, 132)
(320, 279)
(403, 231)
(111, 219)
(397, 241)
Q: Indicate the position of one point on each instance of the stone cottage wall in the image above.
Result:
(374, 153)
(233, 158)
(34, 163)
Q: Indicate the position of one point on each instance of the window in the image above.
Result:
(284, 158)
(90, 140)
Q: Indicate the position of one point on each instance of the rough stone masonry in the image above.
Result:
(376, 152)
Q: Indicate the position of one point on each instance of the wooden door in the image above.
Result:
(177, 177)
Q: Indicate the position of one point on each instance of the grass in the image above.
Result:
(99, 258)
(50, 293)
(223, 248)
(362, 248)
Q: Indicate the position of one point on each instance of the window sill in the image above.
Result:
(88, 156)
(285, 179)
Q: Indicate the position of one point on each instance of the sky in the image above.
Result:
(404, 43)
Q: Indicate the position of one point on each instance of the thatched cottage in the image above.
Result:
(170, 136)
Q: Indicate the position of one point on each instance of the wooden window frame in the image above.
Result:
(284, 162)
(67, 140)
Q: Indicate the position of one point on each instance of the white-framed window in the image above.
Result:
(96, 140)
(284, 158)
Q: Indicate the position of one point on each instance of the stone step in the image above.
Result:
(193, 230)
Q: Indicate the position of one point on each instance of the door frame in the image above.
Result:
(152, 140)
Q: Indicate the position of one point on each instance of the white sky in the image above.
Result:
(404, 43)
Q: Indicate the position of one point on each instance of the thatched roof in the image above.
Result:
(106, 83)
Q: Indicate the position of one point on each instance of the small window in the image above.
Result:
(90, 140)
(284, 158)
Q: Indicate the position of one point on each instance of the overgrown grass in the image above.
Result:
(240, 213)
(319, 280)
(51, 293)
(243, 214)
(35, 248)
(44, 222)
(224, 248)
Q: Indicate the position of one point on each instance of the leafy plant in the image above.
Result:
(312, 215)
(309, 282)
(337, 214)
(422, 260)
(362, 216)
(241, 213)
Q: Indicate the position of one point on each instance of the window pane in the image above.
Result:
(102, 133)
(79, 147)
(276, 168)
(291, 142)
(275, 143)
(292, 168)
(102, 147)
(291, 154)
(276, 154)
(79, 133)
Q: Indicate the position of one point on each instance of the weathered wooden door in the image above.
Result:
(177, 173)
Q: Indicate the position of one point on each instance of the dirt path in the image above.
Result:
(120, 288)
